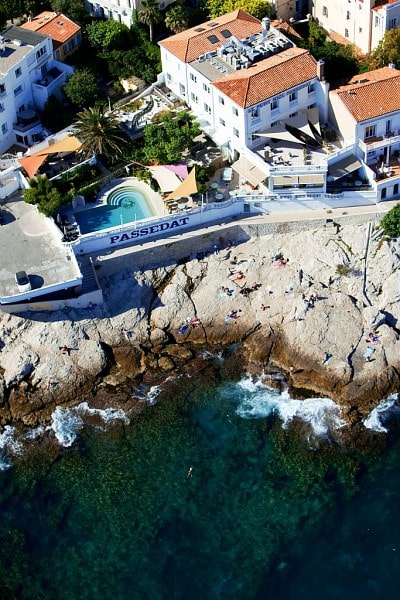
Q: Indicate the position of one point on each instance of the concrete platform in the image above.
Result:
(30, 242)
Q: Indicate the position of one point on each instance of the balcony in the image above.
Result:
(27, 120)
(379, 142)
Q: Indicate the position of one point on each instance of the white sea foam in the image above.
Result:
(206, 355)
(8, 445)
(107, 414)
(153, 393)
(66, 422)
(33, 434)
(322, 414)
(375, 419)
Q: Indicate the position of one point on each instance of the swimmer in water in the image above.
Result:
(189, 473)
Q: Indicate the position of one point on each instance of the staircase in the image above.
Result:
(89, 283)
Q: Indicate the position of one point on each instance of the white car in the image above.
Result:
(23, 283)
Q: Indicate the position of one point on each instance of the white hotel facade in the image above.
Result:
(119, 10)
(29, 75)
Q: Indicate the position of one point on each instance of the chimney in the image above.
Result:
(265, 23)
(321, 70)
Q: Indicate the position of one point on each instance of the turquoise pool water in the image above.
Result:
(125, 204)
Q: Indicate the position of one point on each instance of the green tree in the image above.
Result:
(82, 89)
(164, 142)
(176, 19)
(54, 116)
(388, 50)
(391, 222)
(150, 15)
(46, 197)
(74, 9)
(257, 8)
(108, 35)
(99, 132)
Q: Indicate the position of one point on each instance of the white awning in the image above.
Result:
(166, 179)
(248, 171)
(280, 133)
(286, 180)
(316, 179)
(344, 167)
(301, 122)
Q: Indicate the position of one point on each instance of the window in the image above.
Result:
(377, 21)
(169, 78)
(370, 131)
(392, 23)
(193, 77)
(40, 52)
(1, 107)
(346, 33)
(4, 128)
(221, 100)
(235, 132)
(235, 111)
(18, 90)
(2, 88)
(182, 89)
(222, 122)
(194, 98)
(18, 72)
(388, 126)
(324, 11)
(360, 30)
(207, 108)
(293, 97)
(311, 88)
(206, 88)
(293, 115)
(313, 105)
(274, 123)
(255, 113)
(348, 15)
(274, 104)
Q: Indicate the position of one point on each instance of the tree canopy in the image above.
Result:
(391, 222)
(388, 50)
(340, 61)
(99, 132)
(46, 197)
(108, 35)
(74, 9)
(150, 15)
(82, 89)
(177, 19)
(257, 8)
(164, 143)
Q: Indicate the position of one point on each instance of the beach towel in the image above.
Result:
(368, 352)
(183, 329)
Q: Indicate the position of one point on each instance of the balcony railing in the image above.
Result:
(378, 142)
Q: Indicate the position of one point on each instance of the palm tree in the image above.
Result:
(99, 132)
(176, 19)
(150, 15)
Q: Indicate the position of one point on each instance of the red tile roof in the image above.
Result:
(268, 77)
(371, 94)
(192, 43)
(59, 27)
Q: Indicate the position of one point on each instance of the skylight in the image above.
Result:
(212, 39)
(226, 33)
(198, 29)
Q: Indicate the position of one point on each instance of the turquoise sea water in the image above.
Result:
(268, 513)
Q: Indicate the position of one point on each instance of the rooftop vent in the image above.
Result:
(17, 42)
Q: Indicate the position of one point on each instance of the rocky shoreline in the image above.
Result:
(309, 315)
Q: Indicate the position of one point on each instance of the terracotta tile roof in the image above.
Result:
(192, 43)
(59, 27)
(269, 77)
(380, 3)
(371, 94)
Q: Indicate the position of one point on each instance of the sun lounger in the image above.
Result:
(227, 174)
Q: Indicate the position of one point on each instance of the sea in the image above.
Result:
(218, 489)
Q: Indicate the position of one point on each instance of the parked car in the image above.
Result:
(23, 282)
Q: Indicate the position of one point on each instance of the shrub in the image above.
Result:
(343, 270)
(391, 222)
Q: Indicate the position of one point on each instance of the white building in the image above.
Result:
(245, 81)
(361, 22)
(29, 75)
(290, 9)
(119, 10)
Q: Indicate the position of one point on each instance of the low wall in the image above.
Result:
(85, 301)
(156, 227)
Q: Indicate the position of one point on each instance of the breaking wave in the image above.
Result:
(261, 401)
(66, 422)
(8, 446)
(377, 417)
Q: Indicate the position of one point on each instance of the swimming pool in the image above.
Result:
(125, 204)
